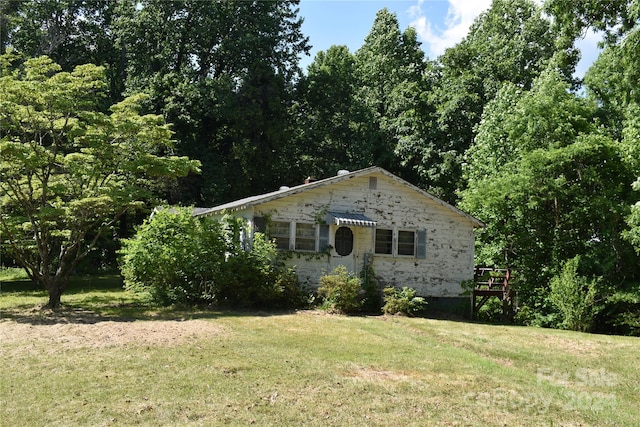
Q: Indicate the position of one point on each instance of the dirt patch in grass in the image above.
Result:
(108, 333)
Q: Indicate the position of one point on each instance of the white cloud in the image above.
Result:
(460, 16)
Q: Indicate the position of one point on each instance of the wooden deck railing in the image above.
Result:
(493, 282)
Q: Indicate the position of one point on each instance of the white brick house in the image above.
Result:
(409, 237)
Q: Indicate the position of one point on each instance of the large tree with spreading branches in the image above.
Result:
(71, 167)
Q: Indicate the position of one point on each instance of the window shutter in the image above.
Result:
(421, 253)
(324, 237)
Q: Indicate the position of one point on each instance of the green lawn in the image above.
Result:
(106, 359)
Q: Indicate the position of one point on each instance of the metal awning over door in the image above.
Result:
(353, 219)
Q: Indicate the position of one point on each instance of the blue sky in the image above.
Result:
(440, 24)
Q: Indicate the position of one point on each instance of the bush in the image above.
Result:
(402, 301)
(540, 317)
(574, 297)
(620, 313)
(257, 279)
(175, 258)
(341, 291)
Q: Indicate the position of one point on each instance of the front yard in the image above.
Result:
(106, 359)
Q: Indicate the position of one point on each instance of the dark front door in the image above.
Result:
(344, 241)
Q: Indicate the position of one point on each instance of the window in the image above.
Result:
(344, 241)
(406, 243)
(305, 237)
(384, 241)
(279, 231)
(401, 242)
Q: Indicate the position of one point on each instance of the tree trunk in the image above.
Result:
(55, 286)
(55, 292)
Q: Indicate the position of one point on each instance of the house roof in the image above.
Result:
(249, 202)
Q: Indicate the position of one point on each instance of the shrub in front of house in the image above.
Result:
(402, 301)
(258, 278)
(341, 291)
(175, 258)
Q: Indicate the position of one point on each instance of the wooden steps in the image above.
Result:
(493, 282)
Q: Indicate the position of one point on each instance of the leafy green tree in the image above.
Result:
(518, 121)
(8, 9)
(331, 121)
(612, 83)
(549, 186)
(69, 171)
(510, 42)
(223, 73)
(633, 220)
(370, 107)
(389, 71)
(71, 33)
(612, 79)
(615, 17)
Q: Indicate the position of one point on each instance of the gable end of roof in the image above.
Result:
(251, 201)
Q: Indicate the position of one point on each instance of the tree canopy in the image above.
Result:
(70, 170)
(224, 74)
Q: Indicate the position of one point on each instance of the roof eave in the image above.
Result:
(260, 199)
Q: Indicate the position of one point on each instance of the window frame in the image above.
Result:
(291, 241)
(418, 244)
(308, 239)
(400, 244)
(389, 242)
(280, 239)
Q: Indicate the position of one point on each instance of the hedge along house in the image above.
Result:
(368, 217)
